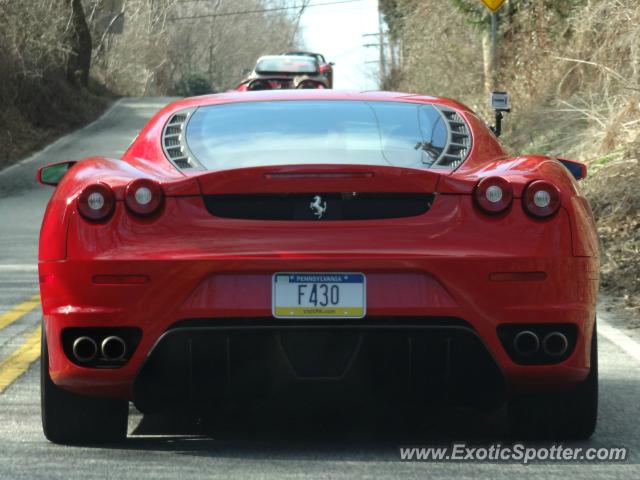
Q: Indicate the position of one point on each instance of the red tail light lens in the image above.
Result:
(144, 197)
(541, 199)
(96, 202)
(494, 194)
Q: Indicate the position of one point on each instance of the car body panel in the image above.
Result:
(453, 261)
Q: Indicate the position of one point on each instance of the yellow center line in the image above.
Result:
(18, 362)
(19, 311)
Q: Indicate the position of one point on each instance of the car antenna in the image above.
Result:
(499, 102)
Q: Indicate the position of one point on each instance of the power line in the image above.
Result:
(263, 10)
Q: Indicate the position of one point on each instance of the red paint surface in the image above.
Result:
(437, 264)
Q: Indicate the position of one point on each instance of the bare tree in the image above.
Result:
(80, 44)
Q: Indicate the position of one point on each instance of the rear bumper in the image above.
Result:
(450, 262)
(227, 290)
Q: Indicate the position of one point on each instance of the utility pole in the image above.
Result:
(494, 50)
(492, 68)
(383, 60)
(381, 44)
(303, 6)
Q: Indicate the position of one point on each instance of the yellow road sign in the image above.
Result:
(493, 5)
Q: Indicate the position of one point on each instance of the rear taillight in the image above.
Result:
(96, 202)
(493, 194)
(541, 199)
(144, 197)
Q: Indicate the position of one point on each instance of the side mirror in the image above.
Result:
(53, 174)
(577, 169)
(332, 63)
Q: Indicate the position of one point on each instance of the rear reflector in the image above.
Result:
(120, 279)
(517, 276)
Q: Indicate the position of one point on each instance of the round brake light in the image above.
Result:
(143, 197)
(96, 202)
(541, 199)
(493, 194)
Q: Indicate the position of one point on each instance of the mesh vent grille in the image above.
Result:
(459, 142)
(174, 144)
(175, 152)
(182, 163)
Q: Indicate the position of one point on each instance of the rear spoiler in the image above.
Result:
(577, 169)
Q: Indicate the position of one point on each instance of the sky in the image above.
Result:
(337, 32)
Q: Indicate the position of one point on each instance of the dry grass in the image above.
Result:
(574, 78)
(613, 193)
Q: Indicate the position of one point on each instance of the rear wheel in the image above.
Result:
(77, 419)
(569, 415)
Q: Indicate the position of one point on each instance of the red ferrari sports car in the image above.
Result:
(336, 248)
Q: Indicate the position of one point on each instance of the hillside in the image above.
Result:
(573, 71)
(61, 61)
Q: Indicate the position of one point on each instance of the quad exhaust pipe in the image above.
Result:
(84, 349)
(526, 343)
(555, 344)
(113, 348)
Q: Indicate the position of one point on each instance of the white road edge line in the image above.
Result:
(23, 267)
(62, 140)
(630, 346)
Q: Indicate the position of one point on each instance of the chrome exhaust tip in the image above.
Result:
(555, 344)
(113, 348)
(84, 349)
(526, 343)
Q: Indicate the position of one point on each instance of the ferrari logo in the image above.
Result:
(493, 5)
(318, 206)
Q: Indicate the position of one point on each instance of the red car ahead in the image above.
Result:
(287, 71)
(325, 68)
(338, 248)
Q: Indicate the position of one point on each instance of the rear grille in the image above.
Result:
(389, 362)
(174, 143)
(459, 142)
(322, 206)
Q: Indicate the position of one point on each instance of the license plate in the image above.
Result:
(318, 295)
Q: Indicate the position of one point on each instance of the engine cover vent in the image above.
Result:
(174, 143)
(332, 206)
(459, 142)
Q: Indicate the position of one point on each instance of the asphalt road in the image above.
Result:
(281, 448)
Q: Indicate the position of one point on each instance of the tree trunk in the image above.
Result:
(80, 45)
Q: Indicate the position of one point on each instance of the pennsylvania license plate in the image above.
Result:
(319, 295)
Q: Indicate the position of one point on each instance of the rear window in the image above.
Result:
(222, 137)
(287, 64)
